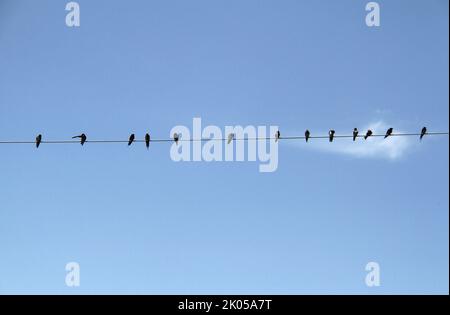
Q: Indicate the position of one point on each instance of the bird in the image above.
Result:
(38, 140)
(131, 139)
(368, 134)
(423, 132)
(388, 132)
(230, 138)
(176, 138)
(307, 135)
(82, 137)
(147, 140)
(277, 136)
(355, 133)
(331, 135)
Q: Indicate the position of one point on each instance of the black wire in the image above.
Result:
(220, 139)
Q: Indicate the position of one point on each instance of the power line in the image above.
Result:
(222, 139)
(374, 135)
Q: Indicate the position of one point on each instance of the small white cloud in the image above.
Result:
(391, 148)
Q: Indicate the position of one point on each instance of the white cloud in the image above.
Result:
(391, 148)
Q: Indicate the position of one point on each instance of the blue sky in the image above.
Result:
(137, 222)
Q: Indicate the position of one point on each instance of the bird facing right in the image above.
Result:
(147, 140)
(38, 140)
(331, 135)
(423, 132)
(388, 132)
(277, 135)
(355, 133)
(131, 139)
(176, 138)
(230, 138)
(368, 134)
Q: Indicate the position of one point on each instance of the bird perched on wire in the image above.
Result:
(176, 138)
(131, 139)
(147, 140)
(307, 135)
(230, 138)
(82, 137)
(277, 135)
(38, 140)
(355, 133)
(388, 132)
(368, 134)
(331, 135)
(423, 132)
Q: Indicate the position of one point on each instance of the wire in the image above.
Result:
(221, 139)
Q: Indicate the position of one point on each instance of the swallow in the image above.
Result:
(38, 141)
(277, 136)
(307, 135)
(131, 139)
(230, 138)
(147, 140)
(176, 138)
(368, 134)
(388, 132)
(331, 135)
(355, 133)
(82, 137)
(423, 132)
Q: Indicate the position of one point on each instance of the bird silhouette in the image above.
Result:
(355, 133)
(38, 140)
(277, 136)
(307, 135)
(147, 140)
(131, 139)
(82, 137)
(331, 135)
(388, 132)
(176, 138)
(230, 138)
(368, 134)
(423, 132)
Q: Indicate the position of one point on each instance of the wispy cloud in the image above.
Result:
(392, 148)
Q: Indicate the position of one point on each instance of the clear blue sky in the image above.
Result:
(137, 222)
